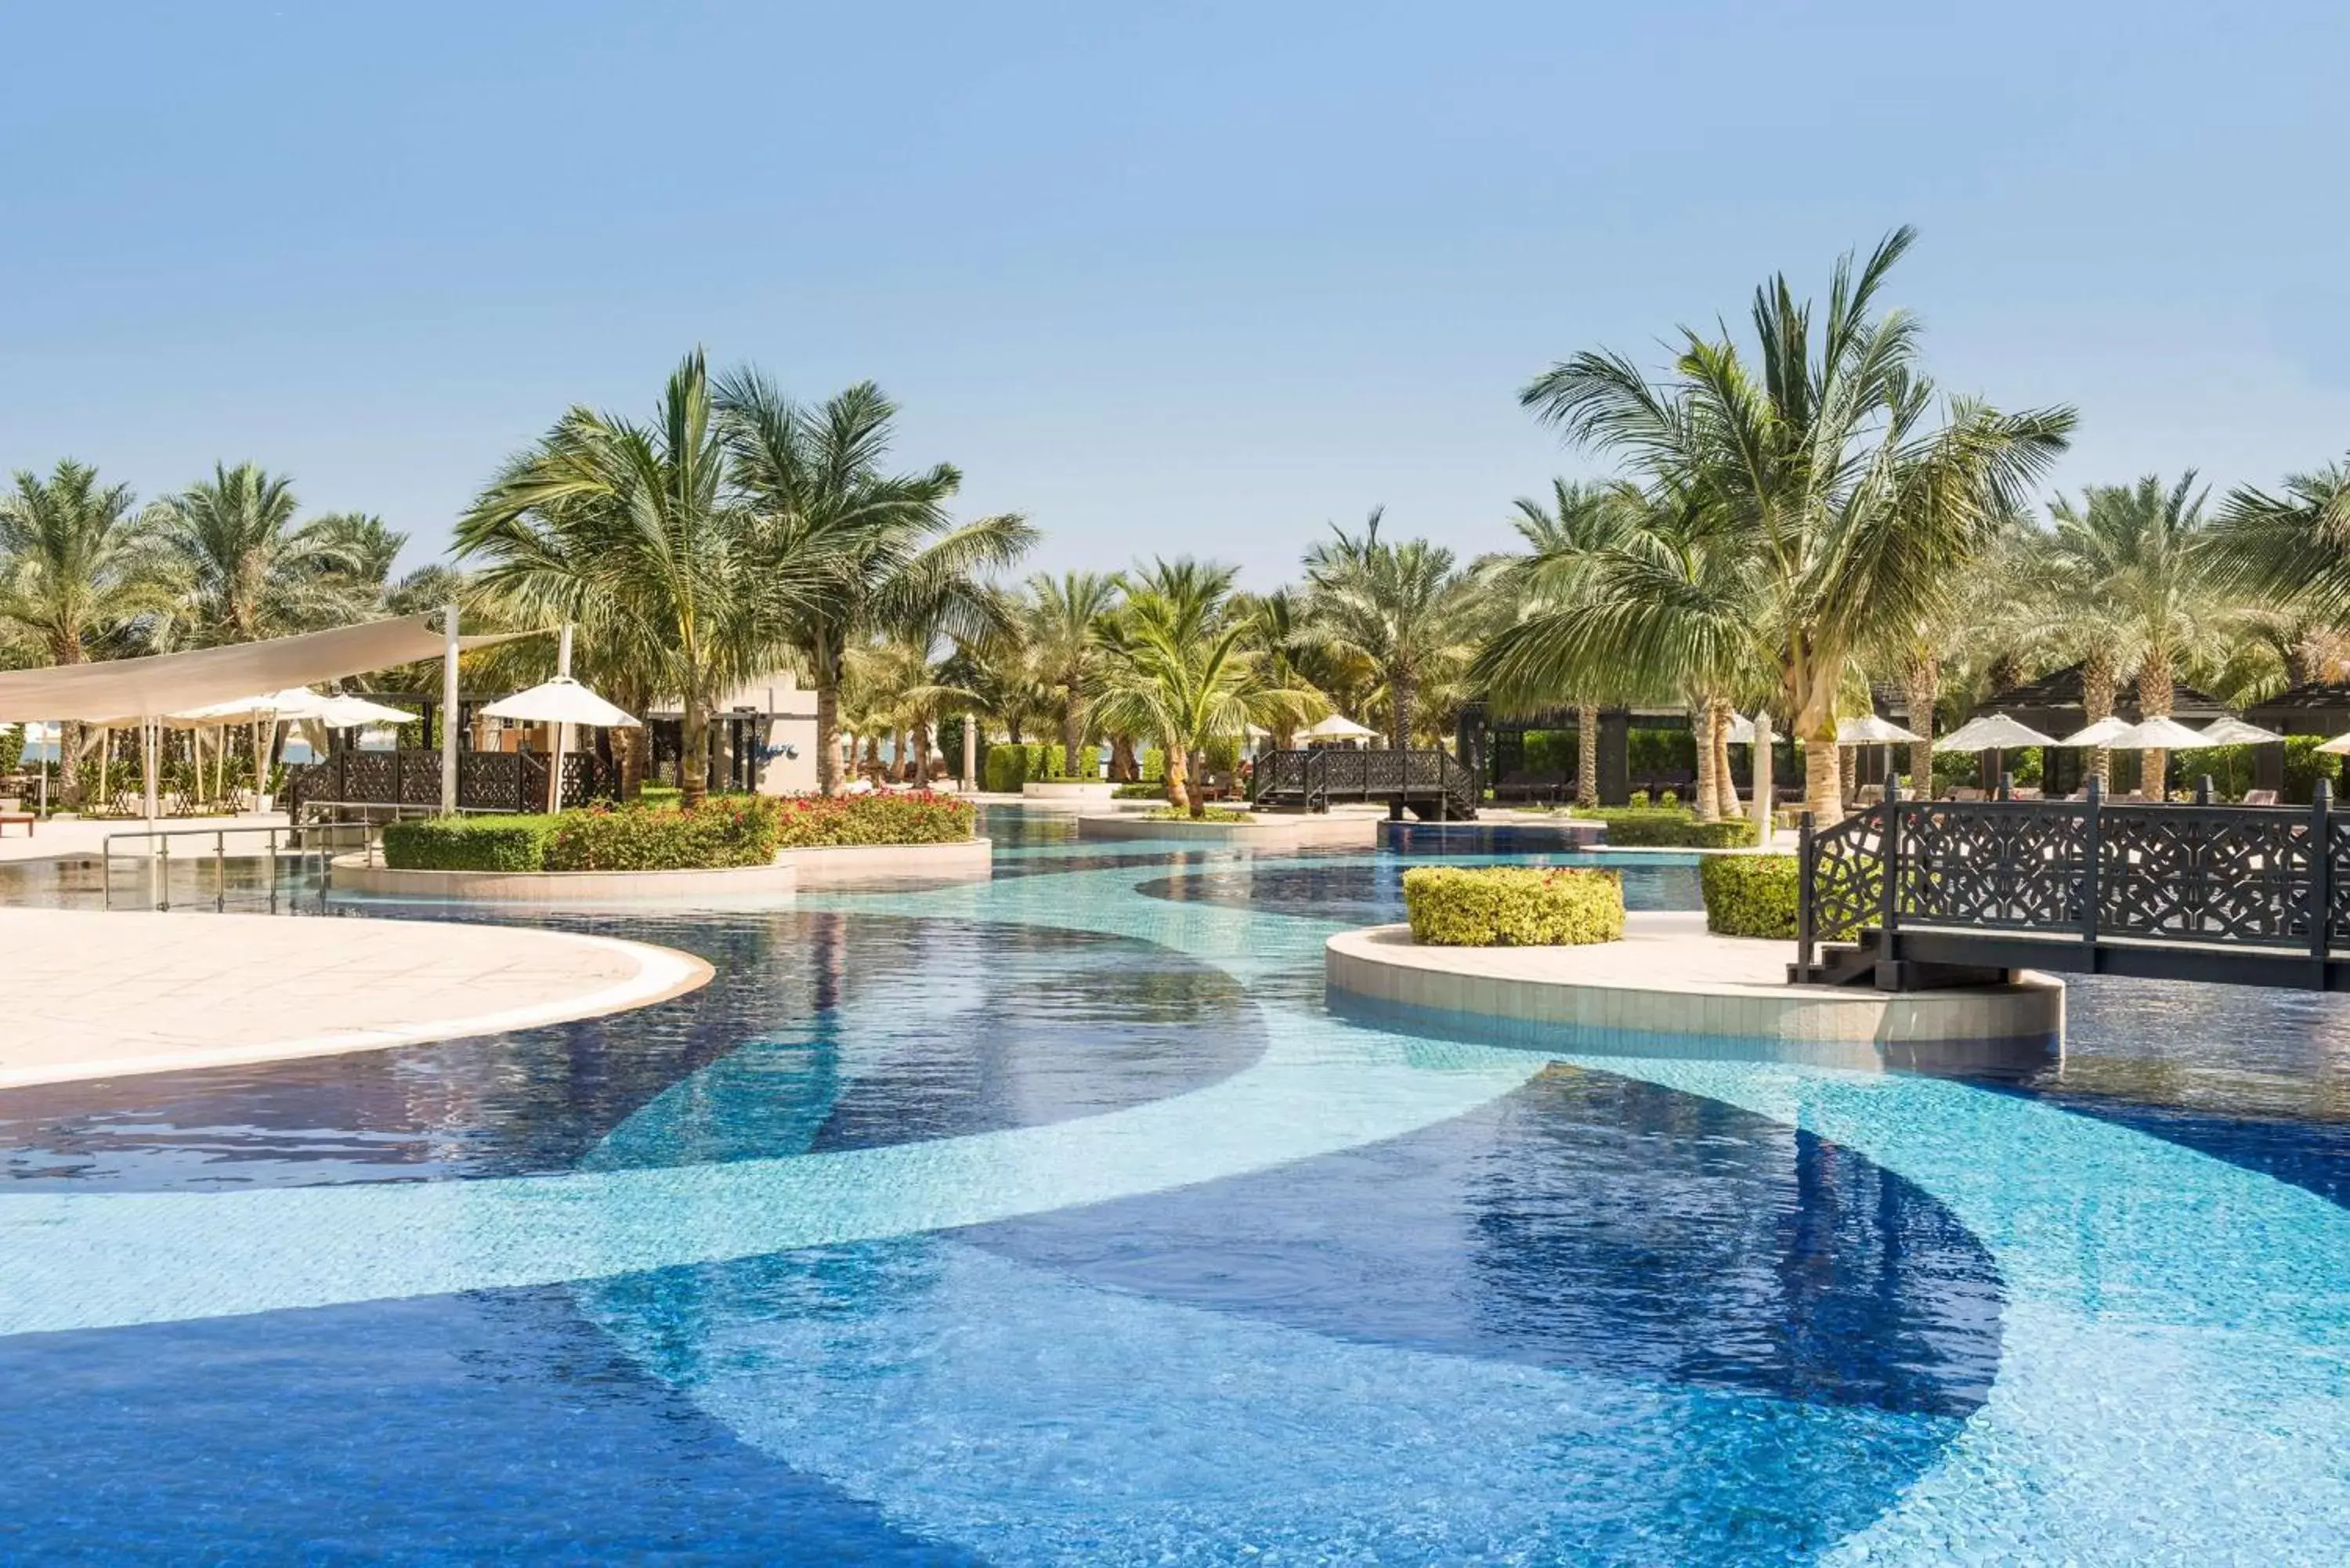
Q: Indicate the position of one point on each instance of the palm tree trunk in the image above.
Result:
(1924, 683)
(1179, 785)
(1823, 782)
(1725, 783)
(922, 753)
(1071, 739)
(827, 737)
(1586, 754)
(693, 753)
(1400, 687)
(2157, 686)
(1195, 766)
(1848, 770)
(1709, 800)
(2097, 703)
(70, 762)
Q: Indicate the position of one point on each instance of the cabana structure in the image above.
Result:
(2056, 704)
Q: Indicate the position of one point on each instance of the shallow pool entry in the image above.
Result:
(1056, 1220)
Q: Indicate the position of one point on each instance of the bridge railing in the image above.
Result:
(1323, 775)
(2264, 877)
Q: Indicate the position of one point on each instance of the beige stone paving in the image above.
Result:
(54, 840)
(99, 994)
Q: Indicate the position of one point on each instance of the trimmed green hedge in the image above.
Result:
(1750, 895)
(1508, 906)
(1154, 790)
(468, 843)
(1664, 827)
(1008, 767)
(724, 831)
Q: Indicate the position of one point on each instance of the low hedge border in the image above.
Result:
(468, 843)
(1508, 906)
(1663, 827)
(725, 831)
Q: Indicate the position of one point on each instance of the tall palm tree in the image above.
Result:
(1661, 597)
(1857, 494)
(2136, 567)
(1565, 543)
(875, 553)
(1277, 636)
(1064, 618)
(1167, 679)
(1403, 608)
(247, 570)
(628, 531)
(76, 565)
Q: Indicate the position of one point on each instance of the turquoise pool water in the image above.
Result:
(1055, 1220)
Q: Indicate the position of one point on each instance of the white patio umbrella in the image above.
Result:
(2232, 732)
(351, 712)
(1337, 727)
(1741, 731)
(2098, 736)
(2162, 735)
(2338, 746)
(560, 702)
(1992, 732)
(1868, 730)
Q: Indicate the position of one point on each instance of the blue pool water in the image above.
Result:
(1056, 1220)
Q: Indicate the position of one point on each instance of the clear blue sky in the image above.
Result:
(1198, 278)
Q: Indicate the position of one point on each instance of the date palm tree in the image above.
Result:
(1565, 543)
(1277, 636)
(2134, 570)
(1856, 495)
(1404, 609)
(77, 565)
(244, 569)
(2294, 545)
(873, 552)
(1181, 670)
(1063, 619)
(628, 531)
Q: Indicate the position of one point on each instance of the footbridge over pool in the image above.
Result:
(1911, 894)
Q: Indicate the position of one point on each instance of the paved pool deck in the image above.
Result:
(72, 838)
(97, 995)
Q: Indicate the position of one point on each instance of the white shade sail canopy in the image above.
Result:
(124, 690)
(2236, 732)
(347, 712)
(294, 702)
(1992, 732)
(1868, 730)
(2339, 745)
(2101, 733)
(2165, 735)
(561, 700)
(1337, 727)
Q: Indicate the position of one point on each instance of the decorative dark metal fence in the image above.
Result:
(2267, 882)
(1314, 779)
(486, 781)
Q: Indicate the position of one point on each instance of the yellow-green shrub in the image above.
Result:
(1750, 895)
(1509, 906)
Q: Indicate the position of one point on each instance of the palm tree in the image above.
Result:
(1277, 636)
(1181, 670)
(2133, 567)
(2295, 545)
(628, 531)
(1403, 609)
(1000, 682)
(1853, 505)
(76, 565)
(875, 553)
(246, 570)
(1565, 542)
(1064, 618)
(1969, 627)
(1658, 597)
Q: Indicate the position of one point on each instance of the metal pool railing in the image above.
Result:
(319, 842)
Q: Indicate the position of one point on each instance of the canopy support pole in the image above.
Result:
(449, 710)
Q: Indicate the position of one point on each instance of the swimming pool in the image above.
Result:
(1055, 1220)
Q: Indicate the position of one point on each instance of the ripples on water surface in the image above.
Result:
(1593, 1319)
